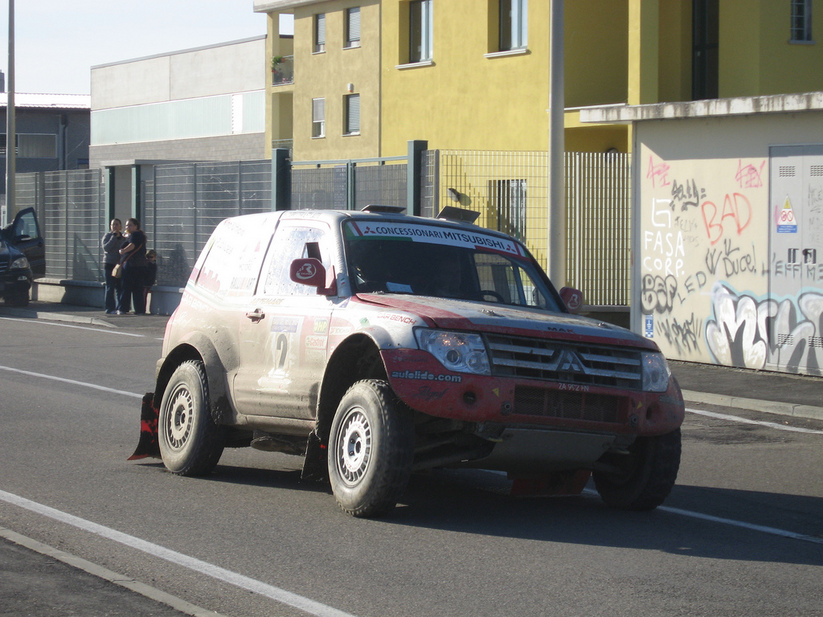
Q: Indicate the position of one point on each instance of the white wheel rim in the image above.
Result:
(354, 447)
(180, 418)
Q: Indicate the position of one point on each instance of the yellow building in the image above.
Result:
(474, 74)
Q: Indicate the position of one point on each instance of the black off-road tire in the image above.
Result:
(190, 442)
(647, 474)
(371, 449)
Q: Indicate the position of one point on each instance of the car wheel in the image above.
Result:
(371, 448)
(643, 478)
(190, 441)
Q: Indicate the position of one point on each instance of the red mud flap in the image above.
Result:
(147, 446)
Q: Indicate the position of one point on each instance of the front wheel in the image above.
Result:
(371, 448)
(190, 441)
(642, 478)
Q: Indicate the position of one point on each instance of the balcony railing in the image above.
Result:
(282, 73)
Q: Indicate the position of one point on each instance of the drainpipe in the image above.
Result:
(557, 146)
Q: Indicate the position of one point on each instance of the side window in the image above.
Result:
(232, 261)
(318, 117)
(353, 27)
(420, 30)
(319, 33)
(352, 112)
(513, 24)
(291, 243)
(26, 228)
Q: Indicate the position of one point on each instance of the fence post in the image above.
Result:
(414, 172)
(280, 179)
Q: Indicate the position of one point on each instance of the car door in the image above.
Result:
(284, 336)
(26, 237)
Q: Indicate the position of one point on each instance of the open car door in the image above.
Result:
(24, 234)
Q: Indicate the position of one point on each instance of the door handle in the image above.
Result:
(256, 315)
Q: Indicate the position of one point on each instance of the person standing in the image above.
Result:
(112, 242)
(133, 258)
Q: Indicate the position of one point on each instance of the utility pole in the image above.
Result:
(557, 147)
(11, 129)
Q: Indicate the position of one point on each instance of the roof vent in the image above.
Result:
(384, 209)
(450, 213)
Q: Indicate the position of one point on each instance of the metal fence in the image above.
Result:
(511, 192)
(70, 206)
(185, 202)
(348, 184)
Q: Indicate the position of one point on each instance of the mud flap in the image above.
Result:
(147, 446)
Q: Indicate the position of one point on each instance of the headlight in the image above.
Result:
(655, 372)
(20, 263)
(457, 351)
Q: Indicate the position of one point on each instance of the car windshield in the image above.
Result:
(444, 262)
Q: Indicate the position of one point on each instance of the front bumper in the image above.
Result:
(426, 386)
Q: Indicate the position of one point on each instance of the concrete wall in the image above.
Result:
(704, 267)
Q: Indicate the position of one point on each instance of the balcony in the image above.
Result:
(282, 70)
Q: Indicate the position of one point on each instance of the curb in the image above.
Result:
(737, 402)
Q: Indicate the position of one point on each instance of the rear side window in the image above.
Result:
(233, 257)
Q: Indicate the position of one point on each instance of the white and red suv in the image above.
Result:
(376, 344)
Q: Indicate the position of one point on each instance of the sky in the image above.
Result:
(58, 41)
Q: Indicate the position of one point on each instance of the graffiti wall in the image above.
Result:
(709, 263)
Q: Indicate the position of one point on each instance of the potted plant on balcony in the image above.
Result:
(276, 75)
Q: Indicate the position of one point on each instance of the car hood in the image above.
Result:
(9, 250)
(505, 319)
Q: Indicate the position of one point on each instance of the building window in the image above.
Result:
(318, 117)
(353, 27)
(352, 109)
(513, 24)
(319, 33)
(32, 145)
(801, 27)
(420, 30)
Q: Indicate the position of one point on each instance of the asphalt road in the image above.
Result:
(741, 534)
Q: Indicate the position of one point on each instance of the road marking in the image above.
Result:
(41, 322)
(203, 567)
(115, 578)
(70, 381)
(774, 425)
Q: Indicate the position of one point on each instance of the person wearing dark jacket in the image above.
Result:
(133, 258)
(112, 242)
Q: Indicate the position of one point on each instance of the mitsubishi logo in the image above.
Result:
(569, 362)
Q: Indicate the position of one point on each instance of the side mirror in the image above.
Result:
(572, 298)
(311, 272)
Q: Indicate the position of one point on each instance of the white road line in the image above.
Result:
(41, 322)
(203, 567)
(774, 425)
(70, 381)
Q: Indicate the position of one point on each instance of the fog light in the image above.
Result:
(470, 398)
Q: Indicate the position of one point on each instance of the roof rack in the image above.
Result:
(450, 213)
(384, 209)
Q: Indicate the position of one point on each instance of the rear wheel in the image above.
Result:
(642, 478)
(190, 442)
(371, 448)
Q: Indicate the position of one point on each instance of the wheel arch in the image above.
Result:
(356, 358)
(215, 376)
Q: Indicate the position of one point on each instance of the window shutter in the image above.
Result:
(353, 113)
(318, 110)
(354, 25)
(320, 43)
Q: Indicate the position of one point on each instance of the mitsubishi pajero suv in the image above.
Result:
(376, 344)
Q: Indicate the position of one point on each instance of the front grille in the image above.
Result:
(565, 362)
(566, 405)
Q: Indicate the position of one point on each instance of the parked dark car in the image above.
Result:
(22, 257)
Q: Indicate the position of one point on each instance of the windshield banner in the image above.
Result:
(436, 235)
